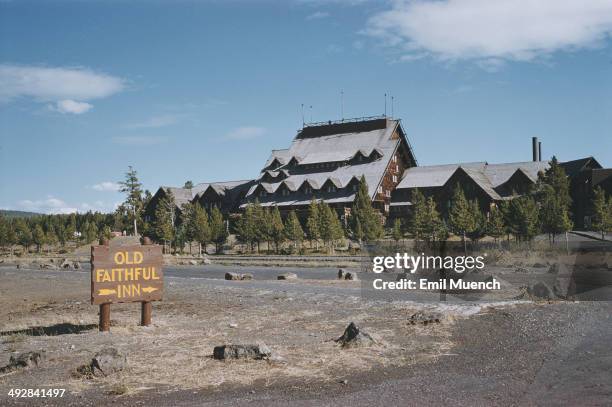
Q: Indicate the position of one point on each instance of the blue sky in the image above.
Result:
(203, 90)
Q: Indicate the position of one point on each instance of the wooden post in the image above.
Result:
(104, 317)
(104, 323)
(146, 309)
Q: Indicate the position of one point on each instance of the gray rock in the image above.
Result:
(66, 264)
(351, 275)
(354, 337)
(76, 265)
(287, 276)
(25, 360)
(206, 260)
(565, 286)
(230, 275)
(108, 361)
(48, 266)
(341, 274)
(257, 351)
(540, 291)
(246, 276)
(193, 262)
(425, 318)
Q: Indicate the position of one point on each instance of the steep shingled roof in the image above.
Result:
(322, 145)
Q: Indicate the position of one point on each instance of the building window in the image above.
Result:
(355, 186)
(380, 190)
(331, 188)
(396, 168)
(307, 190)
(263, 193)
(386, 208)
(285, 192)
(387, 193)
(394, 158)
(395, 178)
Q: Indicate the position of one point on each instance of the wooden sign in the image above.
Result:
(126, 274)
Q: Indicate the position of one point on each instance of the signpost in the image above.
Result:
(126, 274)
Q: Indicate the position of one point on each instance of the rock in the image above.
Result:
(351, 275)
(108, 361)
(76, 265)
(287, 276)
(246, 276)
(65, 264)
(539, 265)
(257, 352)
(425, 318)
(230, 275)
(48, 266)
(341, 274)
(232, 325)
(23, 361)
(554, 268)
(344, 381)
(565, 286)
(521, 270)
(540, 291)
(354, 337)
(193, 262)
(206, 260)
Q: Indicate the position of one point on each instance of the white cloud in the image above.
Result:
(139, 140)
(67, 88)
(52, 204)
(155, 122)
(492, 31)
(317, 15)
(106, 186)
(245, 133)
(71, 106)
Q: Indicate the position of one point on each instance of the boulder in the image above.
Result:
(351, 275)
(76, 265)
(540, 291)
(193, 262)
(206, 260)
(246, 276)
(257, 351)
(108, 361)
(48, 266)
(287, 276)
(354, 337)
(564, 286)
(230, 275)
(341, 274)
(425, 318)
(23, 361)
(65, 264)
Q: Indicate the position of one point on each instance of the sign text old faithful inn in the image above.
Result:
(126, 274)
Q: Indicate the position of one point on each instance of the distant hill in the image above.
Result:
(17, 214)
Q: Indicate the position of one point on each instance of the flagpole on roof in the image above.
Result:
(385, 105)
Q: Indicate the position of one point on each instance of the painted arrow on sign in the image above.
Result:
(149, 289)
(105, 291)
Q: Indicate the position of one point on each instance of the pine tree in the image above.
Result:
(38, 237)
(4, 227)
(434, 227)
(460, 217)
(162, 227)
(329, 225)
(358, 232)
(200, 227)
(51, 239)
(260, 224)
(106, 233)
(188, 185)
(277, 228)
(23, 234)
(418, 224)
(91, 232)
(602, 212)
(131, 186)
(363, 211)
(313, 221)
(217, 228)
(293, 229)
(397, 230)
(496, 226)
(523, 218)
(480, 222)
(246, 226)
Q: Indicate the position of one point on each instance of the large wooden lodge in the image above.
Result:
(325, 161)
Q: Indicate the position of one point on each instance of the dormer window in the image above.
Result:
(307, 190)
(331, 188)
(263, 193)
(355, 187)
(285, 192)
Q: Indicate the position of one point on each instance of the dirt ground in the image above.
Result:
(175, 353)
(500, 347)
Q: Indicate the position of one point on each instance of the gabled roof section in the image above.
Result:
(572, 168)
(181, 195)
(432, 175)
